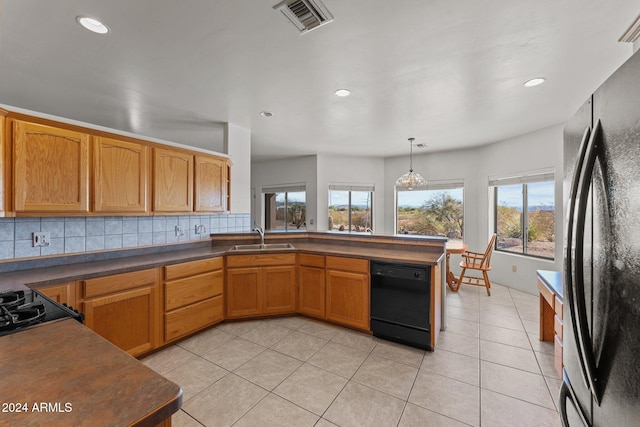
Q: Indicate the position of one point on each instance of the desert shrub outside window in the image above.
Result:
(351, 208)
(525, 206)
(285, 207)
(436, 209)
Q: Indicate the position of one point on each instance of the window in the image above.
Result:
(285, 208)
(350, 208)
(436, 210)
(525, 206)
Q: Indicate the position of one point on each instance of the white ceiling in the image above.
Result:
(448, 73)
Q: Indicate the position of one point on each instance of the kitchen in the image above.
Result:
(538, 146)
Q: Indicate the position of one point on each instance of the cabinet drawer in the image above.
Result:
(179, 293)
(311, 260)
(192, 317)
(172, 272)
(118, 282)
(354, 265)
(558, 308)
(557, 349)
(557, 326)
(258, 260)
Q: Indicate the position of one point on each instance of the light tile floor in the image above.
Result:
(489, 369)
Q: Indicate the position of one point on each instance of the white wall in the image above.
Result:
(541, 149)
(537, 150)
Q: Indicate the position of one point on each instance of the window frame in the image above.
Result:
(286, 189)
(433, 185)
(350, 188)
(524, 181)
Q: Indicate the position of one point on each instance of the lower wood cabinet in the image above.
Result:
(124, 309)
(193, 296)
(261, 284)
(311, 285)
(347, 289)
(64, 293)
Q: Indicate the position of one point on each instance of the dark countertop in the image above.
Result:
(34, 277)
(552, 280)
(88, 380)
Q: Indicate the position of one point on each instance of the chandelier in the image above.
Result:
(411, 180)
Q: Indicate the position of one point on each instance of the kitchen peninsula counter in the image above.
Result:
(62, 373)
(51, 270)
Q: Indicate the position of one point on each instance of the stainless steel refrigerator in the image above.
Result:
(601, 328)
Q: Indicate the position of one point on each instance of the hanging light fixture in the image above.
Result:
(411, 180)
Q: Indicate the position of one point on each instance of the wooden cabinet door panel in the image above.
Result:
(126, 319)
(193, 317)
(348, 298)
(279, 285)
(172, 181)
(179, 293)
(311, 291)
(50, 169)
(244, 292)
(121, 176)
(210, 184)
(63, 293)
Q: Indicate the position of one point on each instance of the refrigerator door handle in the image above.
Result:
(584, 337)
(570, 269)
(567, 393)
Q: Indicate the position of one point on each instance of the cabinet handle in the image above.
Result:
(584, 337)
(567, 394)
(570, 269)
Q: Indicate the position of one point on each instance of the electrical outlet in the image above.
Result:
(514, 268)
(179, 231)
(41, 238)
(201, 229)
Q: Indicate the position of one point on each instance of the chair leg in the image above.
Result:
(486, 282)
(461, 278)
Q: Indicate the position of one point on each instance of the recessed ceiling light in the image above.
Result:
(266, 114)
(92, 24)
(534, 82)
(343, 92)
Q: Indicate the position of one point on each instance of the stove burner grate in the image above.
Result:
(12, 299)
(22, 316)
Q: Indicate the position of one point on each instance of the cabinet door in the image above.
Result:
(210, 184)
(172, 181)
(279, 285)
(244, 292)
(348, 298)
(50, 171)
(311, 291)
(64, 293)
(4, 203)
(121, 176)
(127, 319)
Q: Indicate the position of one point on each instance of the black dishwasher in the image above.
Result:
(400, 301)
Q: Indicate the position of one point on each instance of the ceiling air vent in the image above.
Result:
(305, 15)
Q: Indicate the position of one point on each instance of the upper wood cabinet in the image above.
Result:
(172, 181)
(3, 166)
(210, 184)
(50, 169)
(121, 177)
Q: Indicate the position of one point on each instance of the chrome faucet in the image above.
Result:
(260, 231)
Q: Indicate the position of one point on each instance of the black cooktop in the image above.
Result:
(21, 309)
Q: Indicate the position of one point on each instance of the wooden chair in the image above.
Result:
(480, 262)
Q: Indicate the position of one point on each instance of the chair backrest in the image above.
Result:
(486, 260)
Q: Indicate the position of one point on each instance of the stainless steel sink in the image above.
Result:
(265, 247)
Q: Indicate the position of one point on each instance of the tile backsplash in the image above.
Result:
(86, 234)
